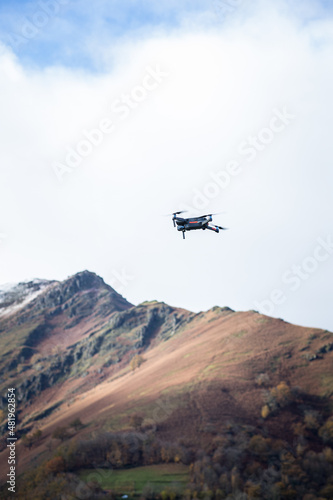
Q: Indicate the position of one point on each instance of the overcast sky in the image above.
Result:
(115, 114)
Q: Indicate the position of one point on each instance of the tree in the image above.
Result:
(326, 431)
(282, 393)
(236, 481)
(327, 491)
(279, 397)
(265, 411)
(311, 419)
(136, 421)
(55, 465)
(60, 433)
(328, 454)
(253, 490)
(36, 435)
(76, 424)
(148, 491)
(259, 445)
(28, 440)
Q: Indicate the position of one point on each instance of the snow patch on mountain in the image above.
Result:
(14, 296)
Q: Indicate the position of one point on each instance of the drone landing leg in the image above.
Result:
(183, 235)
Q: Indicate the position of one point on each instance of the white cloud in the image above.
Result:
(222, 87)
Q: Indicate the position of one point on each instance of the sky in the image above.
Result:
(116, 114)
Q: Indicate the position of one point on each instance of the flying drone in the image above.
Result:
(193, 223)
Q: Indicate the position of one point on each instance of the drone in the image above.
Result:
(193, 223)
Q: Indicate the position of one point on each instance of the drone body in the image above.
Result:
(193, 223)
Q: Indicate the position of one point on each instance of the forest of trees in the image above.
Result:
(241, 462)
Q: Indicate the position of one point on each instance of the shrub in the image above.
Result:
(28, 440)
(259, 444)
(262, 379)
(136, 361)
(326, 431)
(265, 411)
(55, 465)
(279, 397)
(60, 433)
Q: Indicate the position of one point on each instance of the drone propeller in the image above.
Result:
(174, 215)
(180, 212)
(220, 227)
(209, 215)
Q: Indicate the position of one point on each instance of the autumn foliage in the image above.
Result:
(136, 361)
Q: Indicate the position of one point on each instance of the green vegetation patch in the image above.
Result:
(240, 334)
(286, 342)
(275, 361)
(262, 320)
(12, 340)
(327, 335)
(210, 368)
(137, 480)
(312, 337)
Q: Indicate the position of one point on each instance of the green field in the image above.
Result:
(135, 481)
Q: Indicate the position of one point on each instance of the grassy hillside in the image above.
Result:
(240, 401)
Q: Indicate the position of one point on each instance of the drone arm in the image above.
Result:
(212, 228)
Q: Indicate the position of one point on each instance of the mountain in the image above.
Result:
(39, 317)
(220, 392)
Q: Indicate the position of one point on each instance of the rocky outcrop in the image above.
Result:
(324, 349)
(64, 293)
(138, 325)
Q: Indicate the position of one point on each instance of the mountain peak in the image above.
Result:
(85, 280)
(53, 294)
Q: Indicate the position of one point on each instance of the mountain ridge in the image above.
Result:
(79, 351)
